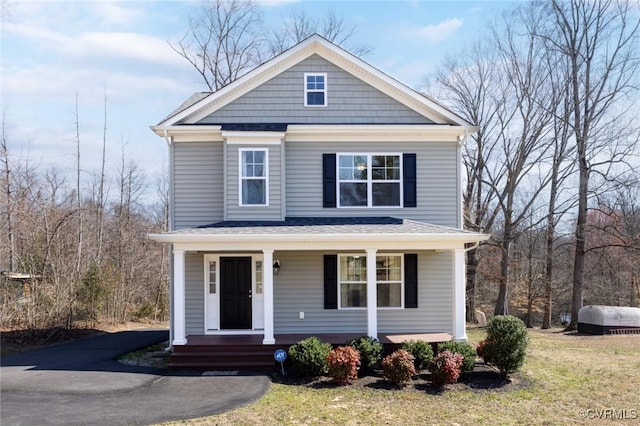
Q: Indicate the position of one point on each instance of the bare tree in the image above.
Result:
(7, 193)
(299, 26)
(600, 42)
(470, 87)
(224, 40)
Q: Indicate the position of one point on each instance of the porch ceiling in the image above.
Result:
(321, 233)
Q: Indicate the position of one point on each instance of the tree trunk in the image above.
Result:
(502, 307)
(581, 242)
(472, 268)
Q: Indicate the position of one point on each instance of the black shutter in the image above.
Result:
(331, 281)
(409, 180)
(328, 180)
(410, 280)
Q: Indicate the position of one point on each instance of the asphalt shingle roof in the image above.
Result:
(322, 225)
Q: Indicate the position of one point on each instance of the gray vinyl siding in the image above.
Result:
(194, 293)
(435, 299)
(281, 100)
(198, 183)
(437, 180)
(237, 212)
(300, 288)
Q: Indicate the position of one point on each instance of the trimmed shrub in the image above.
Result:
(309, 357)
(343, 363)
(446, 368)
(422, 353)
(370, 352)
(506, 343)
(398, 367)
(467, 351)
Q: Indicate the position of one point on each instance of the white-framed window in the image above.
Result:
(213, 277)
(352, 281)
(390, 288)
(254, 177)
(259, 275)
(369, 180)
(315, 89)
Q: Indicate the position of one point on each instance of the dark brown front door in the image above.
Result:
(235, 288)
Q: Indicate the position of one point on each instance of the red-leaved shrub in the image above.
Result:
(445, 368)
(343, 363)
(480, 350)
(398, 367)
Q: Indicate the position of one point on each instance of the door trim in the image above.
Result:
(215, 310)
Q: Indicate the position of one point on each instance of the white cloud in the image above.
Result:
(113, 13)
(441, 31)
(127, 45)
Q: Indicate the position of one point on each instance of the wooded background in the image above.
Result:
(551, 173)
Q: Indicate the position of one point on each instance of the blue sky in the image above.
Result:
(52, 50)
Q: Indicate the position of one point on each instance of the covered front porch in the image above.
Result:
(306, 241)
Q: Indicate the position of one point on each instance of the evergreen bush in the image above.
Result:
(422, 353)
(309, 357)
(370, 350)
(506, 343)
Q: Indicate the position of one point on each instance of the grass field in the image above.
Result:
(566, 379)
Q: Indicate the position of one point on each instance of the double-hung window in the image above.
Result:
(254, 177)
(315, 89)
(352, 282)
(369, 180)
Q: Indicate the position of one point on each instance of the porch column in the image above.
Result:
(372, 294)
(459, 296)
(179, 329)
(267, 295)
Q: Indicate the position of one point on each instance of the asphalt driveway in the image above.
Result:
(81, 383)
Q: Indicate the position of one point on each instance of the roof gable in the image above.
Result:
(193, 112)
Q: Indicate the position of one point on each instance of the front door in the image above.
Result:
(235, 293)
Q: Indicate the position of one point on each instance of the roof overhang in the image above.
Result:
(405, 236)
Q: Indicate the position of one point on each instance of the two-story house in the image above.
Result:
(315, 195)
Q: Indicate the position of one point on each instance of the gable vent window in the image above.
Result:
(315, 89)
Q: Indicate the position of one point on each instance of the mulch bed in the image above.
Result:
(483, 378)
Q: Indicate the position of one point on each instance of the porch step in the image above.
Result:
(223, 358)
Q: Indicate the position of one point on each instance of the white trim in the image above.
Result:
(255, 257)
(372, 294)
(208, 258)
(325, 90)
(370, 182)
(267, 292)
(459, 302)
(179, 332)
(265, 177)
(252, 138)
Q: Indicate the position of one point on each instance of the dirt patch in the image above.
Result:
(483, 378)
(13, 341)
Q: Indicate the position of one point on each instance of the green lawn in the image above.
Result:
(564, 379)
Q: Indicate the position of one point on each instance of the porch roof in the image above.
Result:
(347, 232)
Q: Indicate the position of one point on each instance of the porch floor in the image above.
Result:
(290, 339)
(246, 352)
